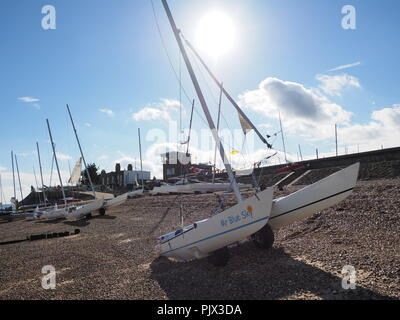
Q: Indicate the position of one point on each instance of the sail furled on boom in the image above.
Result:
(76, 173)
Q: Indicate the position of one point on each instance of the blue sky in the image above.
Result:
(105, 59)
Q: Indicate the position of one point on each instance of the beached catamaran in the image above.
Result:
(68, 211)
(256, 216)
(85, 210)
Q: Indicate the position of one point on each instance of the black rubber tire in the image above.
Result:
(88, 216)
(102, 211)
(264, 238)
(220, 257)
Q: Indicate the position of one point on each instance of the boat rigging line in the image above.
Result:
(218, 83)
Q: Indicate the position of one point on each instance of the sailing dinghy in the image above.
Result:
(204, 237)
(255, 216)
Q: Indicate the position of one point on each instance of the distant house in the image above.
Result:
(123, 178)
(175, 164)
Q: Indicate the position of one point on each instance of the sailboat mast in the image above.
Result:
(203, 103)
(41, 173)
(51, 172)
(1, 192)
(19, 178)
(141, 162)
(55, 160)
(80, 149)
(228, 96)
(215, 151)
(12, 161)
(37, 186)
(283, 138)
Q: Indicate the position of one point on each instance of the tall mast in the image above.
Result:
(1, 192)
(55, 159)
(37, 186)
(41, 173)
(203, 103)
(51, 172)
(215, 150)
(141, 162)
(12, 161)
(228, 96)
(80, 149)
(283, 138)
(19, 179)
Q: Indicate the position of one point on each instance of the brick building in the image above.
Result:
(123, 178)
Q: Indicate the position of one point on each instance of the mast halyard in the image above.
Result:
(203, 103)
(55, 160)
(80, 149)
(190, 129)
(228, 96)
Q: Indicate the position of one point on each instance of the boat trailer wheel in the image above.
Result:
(220, 257)
(102, 211)
(264, 238)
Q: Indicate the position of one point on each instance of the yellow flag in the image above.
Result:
(234, 152)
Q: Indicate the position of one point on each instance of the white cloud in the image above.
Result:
(28, 99)
(303, 110)
(381, 130)
(309, 114)
(63, 157)
(108, 112)
(334, 85)
(148, 113)
(158, 111)
(87, 124)
(346, 66)
(396, 105)
(3, 168)
(103, 157)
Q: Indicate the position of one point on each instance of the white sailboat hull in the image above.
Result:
(55, 213)
(232, 225)
(314, 198)
(109, 203)
(82, 210)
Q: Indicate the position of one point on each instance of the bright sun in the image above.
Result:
(215, 34)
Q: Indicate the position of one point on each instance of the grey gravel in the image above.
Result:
(114, 258)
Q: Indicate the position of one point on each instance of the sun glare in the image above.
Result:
(215, 34)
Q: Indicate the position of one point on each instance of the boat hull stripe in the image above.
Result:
(309, 204)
